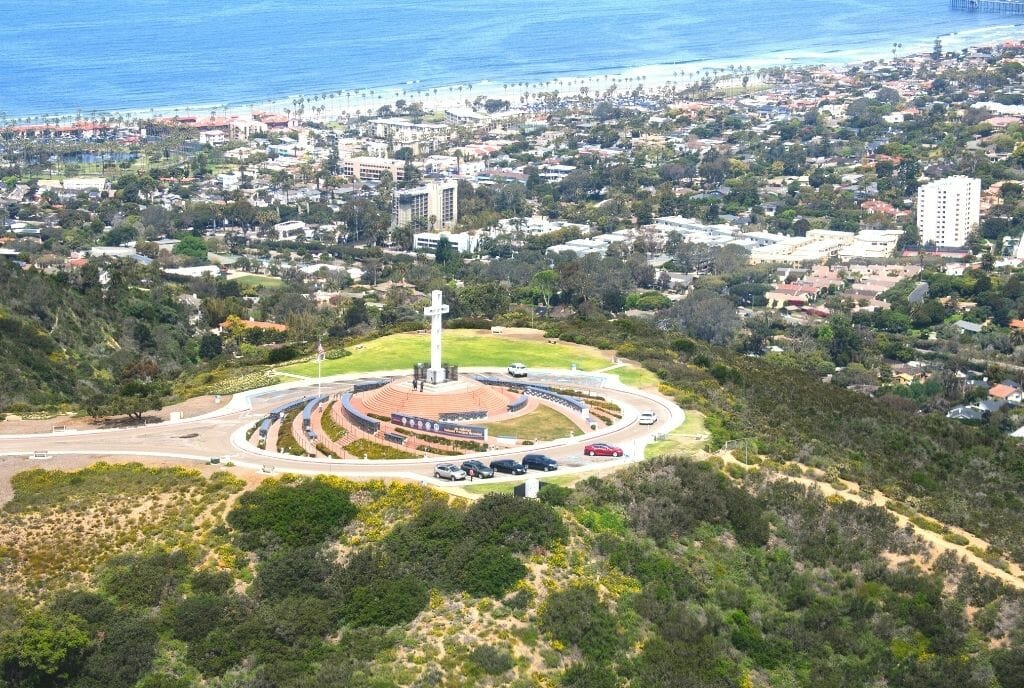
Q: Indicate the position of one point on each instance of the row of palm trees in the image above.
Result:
(322, 104)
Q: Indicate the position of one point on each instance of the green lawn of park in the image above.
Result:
(480, 487)
(541, 425)
(258, 281)
(465, 348)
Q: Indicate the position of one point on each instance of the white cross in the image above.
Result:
(434, 311)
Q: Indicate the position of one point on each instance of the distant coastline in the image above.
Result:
(340, 102)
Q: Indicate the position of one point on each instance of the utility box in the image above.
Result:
(528, 490)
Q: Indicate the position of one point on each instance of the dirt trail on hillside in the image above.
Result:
(190, 408)
(1013, 577)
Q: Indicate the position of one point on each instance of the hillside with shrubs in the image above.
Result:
(669, 573)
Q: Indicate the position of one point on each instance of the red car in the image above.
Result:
(602, 449)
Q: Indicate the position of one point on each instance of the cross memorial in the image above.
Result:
(436, 374)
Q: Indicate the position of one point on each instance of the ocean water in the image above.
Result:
(70, 56)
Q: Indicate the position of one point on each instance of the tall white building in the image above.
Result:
(948, 210)
(437, 203)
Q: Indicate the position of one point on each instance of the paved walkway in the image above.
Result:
(222, 434)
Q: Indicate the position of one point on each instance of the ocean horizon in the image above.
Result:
(66, 57)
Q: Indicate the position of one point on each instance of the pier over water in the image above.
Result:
(1001, 6)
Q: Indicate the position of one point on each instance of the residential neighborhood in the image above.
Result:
(784, 205)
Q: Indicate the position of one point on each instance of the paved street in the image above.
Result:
(222, 434)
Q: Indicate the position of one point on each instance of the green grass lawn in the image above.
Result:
(635, 376)
(682, 439)
(257, 281)
(487, 486)
(462, 347)
(543, 424)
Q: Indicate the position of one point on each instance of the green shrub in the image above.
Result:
(161, 680)
(486, 569)
(589, 676)
(297, 513)
(281, 354)
(241, 383)
(125, 654)
(555, 495)
(735, 470)
(217, 652)
(91, 607)
(71, 490)
(520, 524)
(385, 602)
(331, 428)
(955, 538)
(371, 450)
(576, 616)
(286, 441)
(520, 599)
(144, 579)
(492, 660)
(210, 581)
(926, 524)
(196, 616)
(326, 451)
(292, 571)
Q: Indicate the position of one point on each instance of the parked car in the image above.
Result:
(602, 449)
(478, 468)
(648, 418)
(508, 466)
(517, 370)
(540, 462)
(450, 471)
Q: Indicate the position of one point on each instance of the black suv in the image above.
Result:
(540, 462)
(478, 468)
(508, 466)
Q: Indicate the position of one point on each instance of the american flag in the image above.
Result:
(319, 351)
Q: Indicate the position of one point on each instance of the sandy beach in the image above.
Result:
(342, 104)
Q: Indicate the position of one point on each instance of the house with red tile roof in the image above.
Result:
(1007, 391)
(257, 324)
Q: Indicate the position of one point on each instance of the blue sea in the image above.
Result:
(85, 56)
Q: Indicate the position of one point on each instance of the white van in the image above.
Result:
(517, 370)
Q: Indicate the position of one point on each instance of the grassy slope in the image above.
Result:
(463, 347)
(543, 424)
(685, 439)
(257, 281)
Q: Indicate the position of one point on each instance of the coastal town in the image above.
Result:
(698, 366)
(860, 222)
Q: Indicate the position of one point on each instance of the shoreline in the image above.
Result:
(338, 104)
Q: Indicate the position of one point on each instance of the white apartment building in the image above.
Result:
(948, 210)
(291, 229)
(365, 168)
(402, 131)
(872, 243)
(465, 117)
(437, 203)
(464, 242)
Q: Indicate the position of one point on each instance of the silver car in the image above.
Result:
(449, 471)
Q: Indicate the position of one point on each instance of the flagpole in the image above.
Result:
(319, 362)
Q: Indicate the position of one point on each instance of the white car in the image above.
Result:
(648, 418)
(450, 471)
(517, 370)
